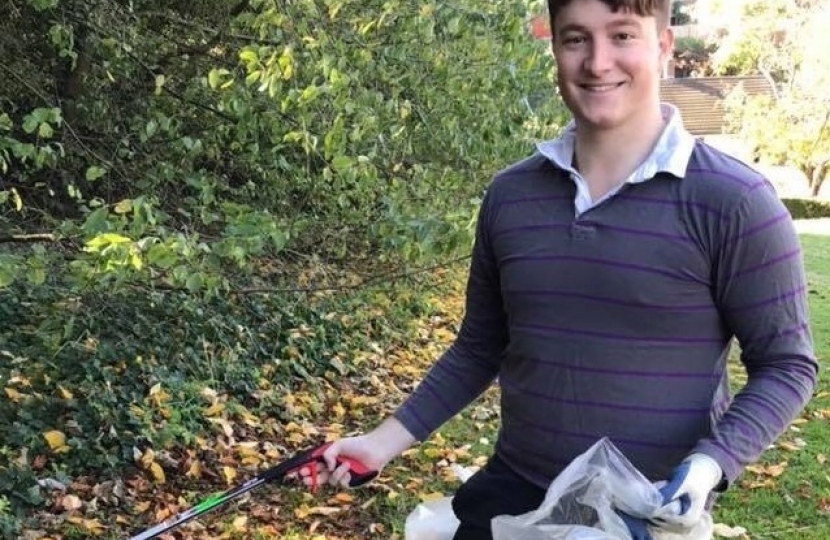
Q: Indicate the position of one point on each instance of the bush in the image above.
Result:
(807, 208)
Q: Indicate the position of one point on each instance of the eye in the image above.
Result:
(624, 36)
(573, 40)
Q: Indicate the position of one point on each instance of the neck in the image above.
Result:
(607, 157)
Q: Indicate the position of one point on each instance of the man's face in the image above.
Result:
(608, 64)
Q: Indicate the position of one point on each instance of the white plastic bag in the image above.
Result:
(581, 503)
(435, 520)
(431, 520)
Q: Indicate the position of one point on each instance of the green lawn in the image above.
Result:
(795, 504)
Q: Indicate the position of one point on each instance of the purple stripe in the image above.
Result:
(453, 372)
(763, 404)
(773, 300)
(428, 386)
(531, 228)
(504, 442)
(629, 373)
(620, 337)
(786, 256)
(726, 451)
(721, 174)
(796, 395)
(601, 405)
(762, 226)
(604, 262)
(424, 426)
(592, 437)
(524, 200)
(640, 232)
(778, 334)
(613, 301)
(670, 202)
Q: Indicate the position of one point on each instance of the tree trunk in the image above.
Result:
(817, 178)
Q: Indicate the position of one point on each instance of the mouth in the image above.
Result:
(600, 88)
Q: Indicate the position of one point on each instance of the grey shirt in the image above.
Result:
(617, 322)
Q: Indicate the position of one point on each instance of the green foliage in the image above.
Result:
(156, 160)
(794, 126)
(206, 134)
(807, 208)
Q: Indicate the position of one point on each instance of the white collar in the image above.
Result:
(671, 154)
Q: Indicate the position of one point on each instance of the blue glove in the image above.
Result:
(686, 491)
(638, 527)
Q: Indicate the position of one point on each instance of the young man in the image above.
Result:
(610, 272)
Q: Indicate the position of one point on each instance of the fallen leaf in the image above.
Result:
(14, 395)
(65, 394)
(343, 498)
(71, 502)
(725, 531)
(427, 497)
(240, 524)
(214, 409)
(195, 469)
(56, 440)
(229, 473)
(821, 458)
(158, 472)
(92, 526)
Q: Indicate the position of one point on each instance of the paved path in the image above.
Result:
(813, 226)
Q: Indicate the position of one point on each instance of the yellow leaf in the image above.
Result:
(55, 438)
(427, 497)
(148, 458)
(240, 524)
(14, 395)
(229, 473)
(324, 510)
(65, 394)
(158, 472)
(155, 389)
(343, 498)
(215, 409)
(142, 507)
(91, 525)
(195, 469)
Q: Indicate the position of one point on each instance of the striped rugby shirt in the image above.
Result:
(617, 321)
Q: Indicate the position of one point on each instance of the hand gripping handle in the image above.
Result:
(359, 473)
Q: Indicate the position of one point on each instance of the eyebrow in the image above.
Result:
(574, 27)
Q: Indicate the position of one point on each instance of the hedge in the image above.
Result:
(807, 208)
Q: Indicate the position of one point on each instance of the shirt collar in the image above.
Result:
(671, 154)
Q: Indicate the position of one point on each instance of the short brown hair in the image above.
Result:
(659, 9)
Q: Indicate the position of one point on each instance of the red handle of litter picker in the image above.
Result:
(359, 473)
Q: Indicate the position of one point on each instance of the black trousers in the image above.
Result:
(493, 491)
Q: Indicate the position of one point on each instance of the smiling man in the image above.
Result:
(610, 274)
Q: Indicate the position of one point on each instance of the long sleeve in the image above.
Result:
(761, 292)
(469, 366)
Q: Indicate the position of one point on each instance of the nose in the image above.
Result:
(599, 57)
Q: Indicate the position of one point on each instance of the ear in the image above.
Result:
(666, 39)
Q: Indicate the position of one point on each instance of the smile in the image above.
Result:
(607, 87)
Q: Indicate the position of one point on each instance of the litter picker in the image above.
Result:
(360, 474)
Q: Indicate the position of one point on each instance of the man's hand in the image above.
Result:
(374, 449)
(686, 491)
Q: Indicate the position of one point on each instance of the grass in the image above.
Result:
(795, 504)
